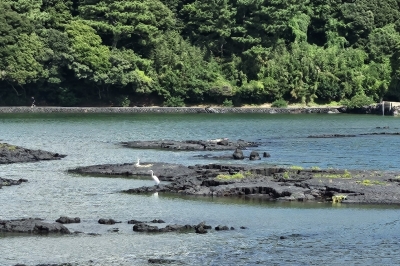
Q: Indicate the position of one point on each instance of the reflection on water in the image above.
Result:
(288, 233)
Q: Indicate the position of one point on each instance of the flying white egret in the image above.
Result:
(155, 178)
(137, 164)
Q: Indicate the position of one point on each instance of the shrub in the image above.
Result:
(286, 175)
(124, 101)
(227, 103)
(174, 102)
(358, 101)
(279, 103)
(295, 167)
(338, 198)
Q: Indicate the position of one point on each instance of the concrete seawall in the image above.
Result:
(40, 109)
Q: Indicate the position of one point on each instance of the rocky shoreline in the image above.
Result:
(371, 109)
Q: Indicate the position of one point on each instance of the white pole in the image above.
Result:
(383, 108)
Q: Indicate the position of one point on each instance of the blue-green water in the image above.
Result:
(317, 234)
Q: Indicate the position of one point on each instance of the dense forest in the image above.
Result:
(184, 52)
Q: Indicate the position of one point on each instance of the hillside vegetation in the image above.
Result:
(174, 53)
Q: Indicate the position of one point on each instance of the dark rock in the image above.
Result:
(145, 228)
(32, 226)
(158, 221)
(61, 264)
(266, 155)
(221, 228)
(107, 221)
(165, 171)
(238, 154)
(192, 145)
(135, 222)
(68, 220)
(176, 227)
(201, 228)
(254, 156)
(161, 261)
(223, 142)
(14, 154)
(114, 230)
(331, 136)
(243, 227)
(273, 183)
(10, 182)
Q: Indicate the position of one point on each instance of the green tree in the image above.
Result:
(91, 59)
(127, 22)
(210, 24)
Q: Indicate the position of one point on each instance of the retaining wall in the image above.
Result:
(40, 109)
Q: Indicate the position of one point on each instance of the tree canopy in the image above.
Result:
(170, 52)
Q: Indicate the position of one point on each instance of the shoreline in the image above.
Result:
(244, 110)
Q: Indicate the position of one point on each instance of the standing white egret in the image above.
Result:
(137, 164)
(155, 178)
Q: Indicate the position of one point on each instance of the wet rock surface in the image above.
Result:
(4, 182)
(14, 154)
(107, 221)
(32, 226)
(68, 220)
(164, 171)
(191, 145)
(272, 183)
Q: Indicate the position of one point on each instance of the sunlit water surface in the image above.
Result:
(314, 234)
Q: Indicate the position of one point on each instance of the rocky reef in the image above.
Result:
(269, 183)
(15, 154)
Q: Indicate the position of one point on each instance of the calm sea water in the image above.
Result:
(316, 234)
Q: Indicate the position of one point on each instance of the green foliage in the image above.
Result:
(279, 103)
(286, 175)
(296, 167)
(124, 101)
(229, 177)
(346, 174)
(338, 198)
(66, 97)
(358, 101)
(227, 103)
(174, 102)
(216, 51)
(367, 182)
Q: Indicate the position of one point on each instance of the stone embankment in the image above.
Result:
(390, 108)
(24, 109)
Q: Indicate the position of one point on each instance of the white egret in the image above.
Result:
(155, 178)
(137, 164)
